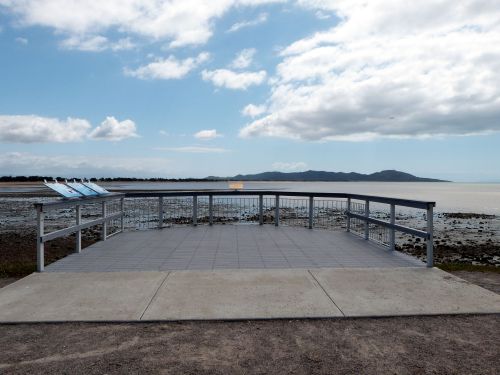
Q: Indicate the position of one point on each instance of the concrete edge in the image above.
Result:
(357, 317)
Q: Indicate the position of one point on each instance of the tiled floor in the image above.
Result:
(231, 247)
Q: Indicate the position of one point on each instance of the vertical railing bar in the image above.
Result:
(348, 224)
(160, 212)
(40, 246)
(367, 224)
(78, 245)
(122, 217)
(261, 209)
(211, 209)
(311, 211)
(277, 210)
(195, 210)
(430, 238)
(104, 223)
(392, 231)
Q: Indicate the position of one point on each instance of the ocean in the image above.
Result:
(449, 197)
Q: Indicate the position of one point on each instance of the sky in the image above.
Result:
(192, 88)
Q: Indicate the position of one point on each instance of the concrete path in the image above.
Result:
(240, 294)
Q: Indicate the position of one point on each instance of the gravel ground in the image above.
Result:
(405, 345)
(410, 345)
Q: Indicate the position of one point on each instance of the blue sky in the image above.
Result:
(182, 89)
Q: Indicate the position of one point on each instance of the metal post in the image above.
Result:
(40, 247)
(348, 219)
(261, 209)
(367, 224)
(122, 218)
(195, 210)
(311, 211)
(104, 233)
(78, 247)
(430, 238)
(392, 231)
(277, 211)
(160, 212)
(211, 209)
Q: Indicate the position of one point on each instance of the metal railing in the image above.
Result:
(43, 208)
(157, 209)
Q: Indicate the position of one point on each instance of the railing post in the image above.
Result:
(195, 210)
(104, 233)
(392, 231)
(311, 211)
(261, 209)
(40, 247)
(122, 218)
(277, 211)
(348, 219)
(430, 238)
(211, 209)
(367, 224)
(78, 247)
(160, 212)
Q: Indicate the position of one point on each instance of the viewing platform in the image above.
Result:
(231, 247)
(236, 255)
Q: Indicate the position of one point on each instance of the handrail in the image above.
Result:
(42, 208)
(373, 198)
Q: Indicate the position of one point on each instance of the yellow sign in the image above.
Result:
(236, 185)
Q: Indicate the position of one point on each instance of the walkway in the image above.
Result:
(241, 294)
(231, 247)
(237, 272)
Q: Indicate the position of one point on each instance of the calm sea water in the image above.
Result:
(460, 197)
(449, 197)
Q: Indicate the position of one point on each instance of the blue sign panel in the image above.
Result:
(64, 190)
(96, 188)
(82, 189)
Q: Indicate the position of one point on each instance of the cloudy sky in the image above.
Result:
(181, 89)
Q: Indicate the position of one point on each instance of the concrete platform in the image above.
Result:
(231, 247)
(240, 294)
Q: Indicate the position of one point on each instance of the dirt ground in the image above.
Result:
(403, 345)
(411, 345)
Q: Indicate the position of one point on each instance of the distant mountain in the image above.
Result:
(387, 176)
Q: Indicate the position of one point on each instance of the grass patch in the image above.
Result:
(467, 267)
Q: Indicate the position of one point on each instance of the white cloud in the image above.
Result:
(261, 18)
(194, 149)
(96, 43)
(322, 15)
(253, 110)
(21, 40)
(169, 68)
(233, 80)
(113, 130)
(27, 164)
(164, 133)
(389, 69)
(37, 129)
(243, 59)
(182, 22)
(206, 135)
(289, 166)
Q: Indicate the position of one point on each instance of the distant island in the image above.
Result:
(382, 176)
(386, 176)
